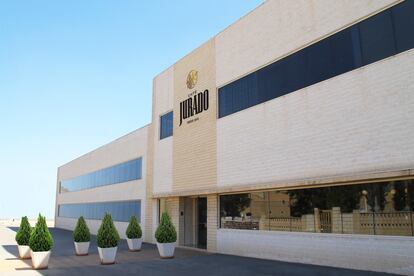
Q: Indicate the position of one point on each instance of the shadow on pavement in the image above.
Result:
(12, 249)
(23, 268)
(63, 261)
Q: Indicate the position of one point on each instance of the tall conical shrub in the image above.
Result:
(133, 230)
(81, 232)
(166, 231)
(23, 235)
(40, 238)
(107, 234)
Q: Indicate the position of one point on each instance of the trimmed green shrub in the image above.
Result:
(134, 230)
(107, 234)
(40, 238)
(165, 231)
(81, 232)
(23, 235)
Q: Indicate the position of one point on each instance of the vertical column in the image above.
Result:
(181, 223)
(317, 217)
(336, 220)
(212, 224)
(149, 202)
(173, 209)
(356, 220)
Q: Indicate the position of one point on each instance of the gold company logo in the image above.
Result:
(196, 102)
(192, 78)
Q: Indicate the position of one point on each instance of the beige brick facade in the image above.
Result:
(194, 145)
(172, 206)
(212, 222)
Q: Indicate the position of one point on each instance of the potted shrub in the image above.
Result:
(134, 235)
(22, 238)
(166, 237)
(81, 237)
(40, 243)
(107, 240)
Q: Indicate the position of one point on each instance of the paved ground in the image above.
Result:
(147, 262)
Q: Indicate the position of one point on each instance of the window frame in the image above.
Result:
(160, 125)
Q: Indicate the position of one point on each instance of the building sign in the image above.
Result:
(196, 102)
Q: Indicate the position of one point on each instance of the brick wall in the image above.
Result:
(149, 216)
(194, 144)
(172, 206)
(366, 252)
(125, 148)
(212, 223)
(163, 94)
(277, 28)
(358, 122)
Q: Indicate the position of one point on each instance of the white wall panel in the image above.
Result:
(376, 253)
(358, 122)
(163, 97)
(278, 27)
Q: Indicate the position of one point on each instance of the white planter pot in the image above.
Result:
(107, 255)
(81, 248)
(40, 259)
(134, 244)
(24, 251)
(166, 250)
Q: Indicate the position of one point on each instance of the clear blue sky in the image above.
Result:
(75, 75)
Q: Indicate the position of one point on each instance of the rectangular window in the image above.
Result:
(166, 125)
(119, 210)
(239, 95)
(378, 37)
(385, 208)
(404, 25)
(124, 172)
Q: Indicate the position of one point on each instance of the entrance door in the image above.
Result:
(326, 221)
(202, 222)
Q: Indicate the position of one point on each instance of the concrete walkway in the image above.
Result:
(147, 262)
(10, 264)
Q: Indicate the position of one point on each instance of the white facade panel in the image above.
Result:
(361, 121)
(125, 148)
(163, 149)
(279, 27)
(128, 147)
(116, 192)
(376, 253)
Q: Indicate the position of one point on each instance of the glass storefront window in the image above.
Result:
(378, 209)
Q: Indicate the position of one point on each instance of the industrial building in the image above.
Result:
(286, 136)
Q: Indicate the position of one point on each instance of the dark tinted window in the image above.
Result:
(120, 173)
(373, 39)
(377, 37)
(166, 125)
(345, 52)
(403, 16)
(318, 62)
(119, 210)
(282, 77)
(239, 95)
